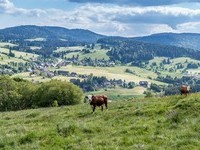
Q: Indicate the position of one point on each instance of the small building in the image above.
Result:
(144, 83)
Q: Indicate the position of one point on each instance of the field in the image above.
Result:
(19, 54)
(3, 44)
(120, 93)
(152, 123)
(4, 59)
(174, 62)
(36, 39)
(69, 49)
(34, 78)
(117, 72)
(95, 53)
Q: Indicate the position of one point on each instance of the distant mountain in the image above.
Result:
(48, 32)
(186, 40)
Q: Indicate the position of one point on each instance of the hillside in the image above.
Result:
(186, 40)
(48, 32)
(128, 50)
(151, 123)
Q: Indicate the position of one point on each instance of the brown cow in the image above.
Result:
(99, 100)
(185, 89)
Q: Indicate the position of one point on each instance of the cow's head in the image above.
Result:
(87, 98)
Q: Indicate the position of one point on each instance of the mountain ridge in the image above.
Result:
(50, 32)
(186, 40)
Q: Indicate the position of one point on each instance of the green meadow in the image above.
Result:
(152, 123)
(173, 65)
(117, 72)
(119, 93)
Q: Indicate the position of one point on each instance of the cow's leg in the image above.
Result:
(102, 108)
(94, 108)
(106, 105)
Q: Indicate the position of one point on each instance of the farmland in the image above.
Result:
(117, 72)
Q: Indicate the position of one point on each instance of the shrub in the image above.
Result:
(55, 103)
(64, 92)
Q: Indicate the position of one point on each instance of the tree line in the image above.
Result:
(18, 94)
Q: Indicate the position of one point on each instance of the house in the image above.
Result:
(62, 72)
(143, 83)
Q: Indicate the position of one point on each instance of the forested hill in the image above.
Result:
(128, 50)
(48, 32)
(186, 40)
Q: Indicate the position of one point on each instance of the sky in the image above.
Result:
(127, 18)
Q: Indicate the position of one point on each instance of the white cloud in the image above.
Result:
(108, 19)
(137, 2)
(8, 7)
(189, 27)
(123, 20)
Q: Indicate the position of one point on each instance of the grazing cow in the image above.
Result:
(185, 89)
(99, 100)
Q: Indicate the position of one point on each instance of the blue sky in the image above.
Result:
(110, 17)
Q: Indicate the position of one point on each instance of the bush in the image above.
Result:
(55, 103)
(64, 92)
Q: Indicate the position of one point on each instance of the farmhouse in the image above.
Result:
(62, 72)
(143, 83)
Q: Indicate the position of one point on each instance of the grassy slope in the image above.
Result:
(26, 76)
(7, 59)
(2, 44)
(69, 49)
(180, 60)
(96, 53)
(120, 93)
(151, 123)
(18, 53)
(4, 59)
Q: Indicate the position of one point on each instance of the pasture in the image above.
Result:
(34, 78)
(36, 39)
(117, 72)
(152, 123)
(176, 72)
(69, 49)
(19, 54)
(4, 59)
(118, 93)
(95, 53)
(3, 44)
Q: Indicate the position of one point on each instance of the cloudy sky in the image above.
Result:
(109, 17)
